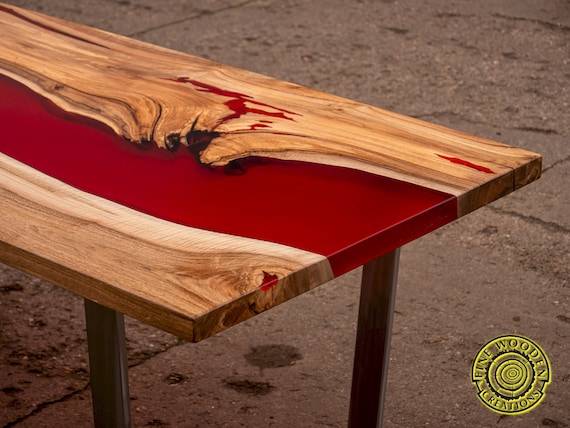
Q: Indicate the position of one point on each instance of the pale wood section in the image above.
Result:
(148, 93)
(190, 282)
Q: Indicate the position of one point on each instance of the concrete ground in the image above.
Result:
(496, 68)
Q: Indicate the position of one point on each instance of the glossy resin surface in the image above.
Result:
(346, 215)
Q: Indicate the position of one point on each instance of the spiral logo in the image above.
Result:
(510, 374)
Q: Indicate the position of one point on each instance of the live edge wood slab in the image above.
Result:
(192, 195)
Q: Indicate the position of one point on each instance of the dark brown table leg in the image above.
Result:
(378, 295)
(107, 366)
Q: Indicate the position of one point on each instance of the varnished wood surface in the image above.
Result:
(147, 93)
(85, 244)
(189, 281)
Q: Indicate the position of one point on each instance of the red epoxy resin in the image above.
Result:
(349, 216)
(238, 103)
(269, 281)
(468, 164)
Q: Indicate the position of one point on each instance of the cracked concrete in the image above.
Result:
(495, 68)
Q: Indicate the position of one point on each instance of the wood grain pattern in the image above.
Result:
(190, 282)
(182, 278)
(150, 94)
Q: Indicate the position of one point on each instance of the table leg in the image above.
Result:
(377, 298)
(107, 366)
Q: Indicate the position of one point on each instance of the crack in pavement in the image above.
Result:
(549, 225)
(46, 404)
(457, 116)
(146, 357)
(190, 18)
(546, 131)
(41, 406)
(550, 25)
(555, 164)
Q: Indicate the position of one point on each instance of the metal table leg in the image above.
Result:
(107, 366)
(378, 295)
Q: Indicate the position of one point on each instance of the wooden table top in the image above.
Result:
(192, 195)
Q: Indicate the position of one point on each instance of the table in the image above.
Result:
(192, 195)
